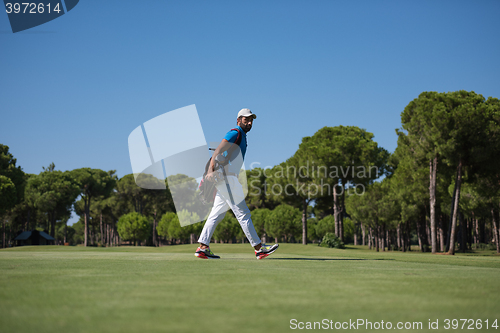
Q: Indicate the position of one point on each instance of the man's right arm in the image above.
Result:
(223, 146)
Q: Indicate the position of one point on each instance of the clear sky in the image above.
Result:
(73, 89)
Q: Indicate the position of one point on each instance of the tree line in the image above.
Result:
(439, 189)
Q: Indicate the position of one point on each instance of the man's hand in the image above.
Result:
(223, 146)
(210, 176)
(210, 172)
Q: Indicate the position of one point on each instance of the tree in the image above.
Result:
(292, 183)
(190, 228)
(353, 205)
(257, 187)
(12, 180)
(170, 227)
(133, 195)
(8, 194)
(133, 226)
(325, 225)
(425, 120)
(450, 126)
(284, 222)
(24, 214)
(259, 218)
(164, 223)
(376, 208)
(65, 232)
(227, 228)
(92, 183)
(312, 223)
(133, 198)
(346, 155)
(408, 192)
(53, 193)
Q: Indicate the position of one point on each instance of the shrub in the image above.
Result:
(483, 247)
(330, 240)
(284, 221)
(133, 226)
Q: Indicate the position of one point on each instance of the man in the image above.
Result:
(231, 194)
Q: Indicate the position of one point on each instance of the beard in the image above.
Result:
(246, 128)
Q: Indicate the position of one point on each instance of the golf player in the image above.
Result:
(231, 194)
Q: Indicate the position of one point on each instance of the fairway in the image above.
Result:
(167, 289)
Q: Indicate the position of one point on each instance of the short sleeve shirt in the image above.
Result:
(231, 136)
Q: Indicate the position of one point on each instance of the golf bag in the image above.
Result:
(207, 188)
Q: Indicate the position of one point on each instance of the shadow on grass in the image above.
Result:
(322, 259)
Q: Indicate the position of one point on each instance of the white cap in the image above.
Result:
(246, 113)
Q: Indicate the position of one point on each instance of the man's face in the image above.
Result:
(245, 123)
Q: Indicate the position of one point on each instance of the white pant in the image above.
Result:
(240, 209)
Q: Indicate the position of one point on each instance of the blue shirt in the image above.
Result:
(231, 136)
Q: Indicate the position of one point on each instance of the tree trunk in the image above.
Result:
(382, 237)
(403, 237)
(94, 233)
(441, 234)
(377, 242)
(419, 236)
(355, 234)
(427, 233)
(86, 202)
(155, 240)
(111, 235)
(432, 192)
(363, 234)
(476, 231)
(398, 236)
(496, 236)
(370, 238)
(342, 211)
(387, 239)
(85, 229)
(455, 209)
(482, 231)
(463, 242)
(102, 231)
(304, 222)
(336, 210)
(451, 214)
(90, 232)
(408, 235)
(53, 224)
(469, 223)
(3, 233)
(65, 232)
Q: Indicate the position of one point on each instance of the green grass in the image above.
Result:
(128, 289)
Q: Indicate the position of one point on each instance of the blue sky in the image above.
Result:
(73, 89)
